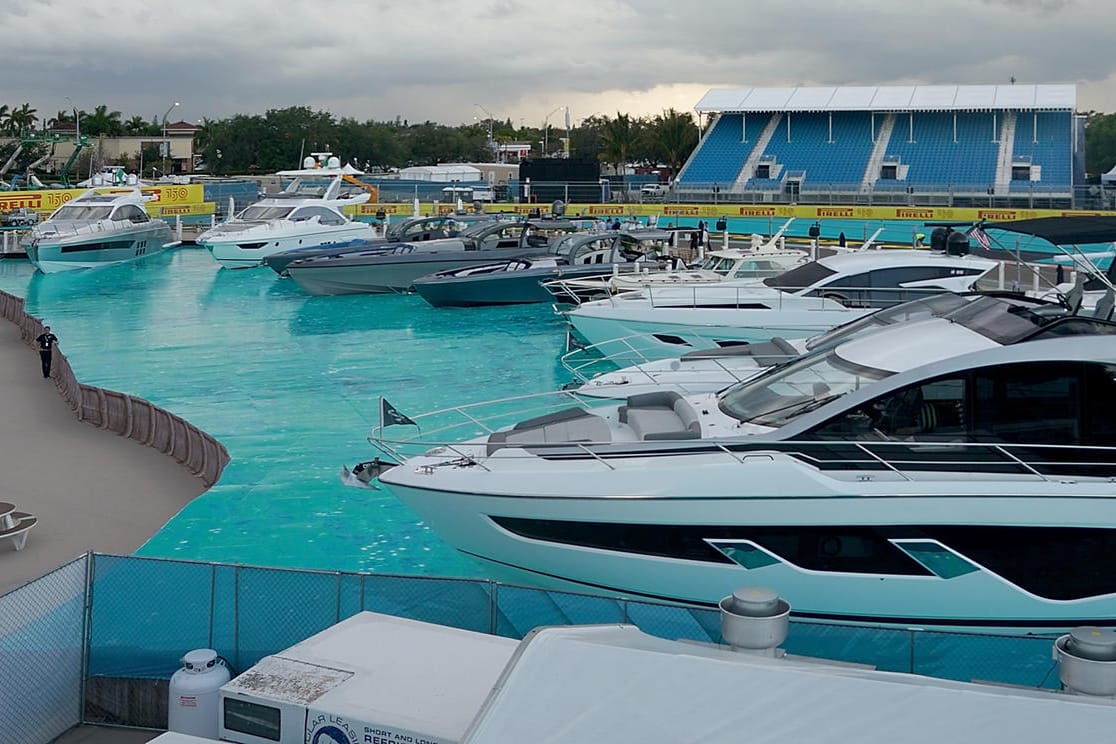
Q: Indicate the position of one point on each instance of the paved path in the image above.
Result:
(90, 489)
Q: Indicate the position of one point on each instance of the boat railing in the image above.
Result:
(585, 363)
(867, 459)
(756, 295)
(67, 230)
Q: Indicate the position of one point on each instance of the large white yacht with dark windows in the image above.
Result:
(97, 229)
(1005, 315)
(804, 301)
(309, 212)
(929, 474)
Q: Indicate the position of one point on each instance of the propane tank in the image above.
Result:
(193, 705)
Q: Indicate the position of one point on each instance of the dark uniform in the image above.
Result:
(46, 340)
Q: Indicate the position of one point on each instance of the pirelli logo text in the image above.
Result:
(682, 211)
(606, 210)
(914, 214)
(997, 214)
(756, 211)
(171, 211)
(23, 201)
(835, 212)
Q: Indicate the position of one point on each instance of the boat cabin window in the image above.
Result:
(800, 277)
(810, 382)
(129, 213)
(82, 212)
(325, 216)
(1019, 403)
(263, 213)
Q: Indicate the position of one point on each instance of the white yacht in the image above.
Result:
(760, 260)
(309, 212)
(802, 302)
(925, 475)
(97, 229)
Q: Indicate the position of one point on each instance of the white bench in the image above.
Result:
(15, 526)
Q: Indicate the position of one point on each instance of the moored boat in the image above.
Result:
(97, 229)
(309, 212)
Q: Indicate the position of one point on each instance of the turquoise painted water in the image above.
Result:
(289, 384)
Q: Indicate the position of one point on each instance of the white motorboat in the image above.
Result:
(802, 302)
(97, 229)
(924, 475)
(760, 260)
(709, 370)
(309, 212)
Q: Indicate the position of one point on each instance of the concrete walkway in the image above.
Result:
(90, 489)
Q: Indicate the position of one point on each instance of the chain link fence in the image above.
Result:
(97, 640)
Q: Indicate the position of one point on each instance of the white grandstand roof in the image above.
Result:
(891, 98)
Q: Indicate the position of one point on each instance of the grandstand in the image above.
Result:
(956, 145)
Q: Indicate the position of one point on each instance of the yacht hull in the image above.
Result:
(838, 545)
(91, 250)
(658, 333)
(248, 248)
(389, 273)
(499, 287)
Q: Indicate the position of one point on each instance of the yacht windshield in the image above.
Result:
(790, 390)
(79, 212)
(929, 307)
(800, 277)
(265, 213)
(1006, 320)
(718, 264)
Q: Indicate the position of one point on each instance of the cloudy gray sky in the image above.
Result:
(526, 60)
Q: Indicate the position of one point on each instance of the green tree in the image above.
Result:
(102, 122)
(1100, 142)
(137, 126)
(673, 135)
(619, 137)
(22, 119)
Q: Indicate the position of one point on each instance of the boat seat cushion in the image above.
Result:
(661, 415)
(567, 425)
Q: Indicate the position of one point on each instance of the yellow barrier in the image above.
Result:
(744, 211)
(185, 210)
(45, 201)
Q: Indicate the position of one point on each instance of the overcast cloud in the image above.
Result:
(520, 59)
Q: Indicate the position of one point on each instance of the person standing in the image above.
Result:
(46, 341)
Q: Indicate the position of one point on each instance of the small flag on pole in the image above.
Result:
(390, 415)
(981, 237)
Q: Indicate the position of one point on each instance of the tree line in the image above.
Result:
(279, 138)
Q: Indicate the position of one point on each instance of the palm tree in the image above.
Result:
(4, 115)
(136, 125)
(23, 118)
(619, 137)
(101, 122)
(674, 136)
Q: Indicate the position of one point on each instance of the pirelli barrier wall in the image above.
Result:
(171, 200)
(737, 211)
(126, 415)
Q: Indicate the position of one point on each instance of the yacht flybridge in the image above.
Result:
(932, 473)
(309, 212)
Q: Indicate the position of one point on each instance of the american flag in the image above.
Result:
(981, 237)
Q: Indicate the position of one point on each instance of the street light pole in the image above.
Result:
(166, 142)
(491, 142)
(546, 131)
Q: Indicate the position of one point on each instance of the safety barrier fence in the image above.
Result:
(124, 414)
(97, 640)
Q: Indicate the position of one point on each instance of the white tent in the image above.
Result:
(442, 173)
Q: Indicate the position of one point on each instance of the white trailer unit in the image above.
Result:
(371, 679)
(618, 685)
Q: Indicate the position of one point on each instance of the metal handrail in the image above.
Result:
(476, 452)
